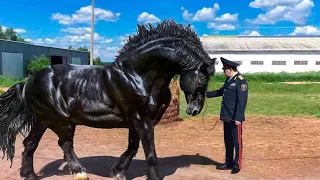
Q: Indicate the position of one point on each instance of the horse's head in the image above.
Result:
(194, 83)
(169, 49)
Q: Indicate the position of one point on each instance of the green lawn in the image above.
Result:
(6, 82)
(270, 99)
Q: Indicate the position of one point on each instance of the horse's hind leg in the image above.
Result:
(125, 159)
(66, 134)
(31, 143)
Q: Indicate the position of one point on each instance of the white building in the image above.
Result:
(266, 54)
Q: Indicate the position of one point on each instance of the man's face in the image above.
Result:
(227, 71)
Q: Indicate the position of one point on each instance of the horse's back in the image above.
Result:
(52, 88)
(73, 92)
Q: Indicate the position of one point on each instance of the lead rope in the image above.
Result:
(203, 118)
(216, 120)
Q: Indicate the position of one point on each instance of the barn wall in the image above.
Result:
(267, 59)
(0, 57)
(29, 51)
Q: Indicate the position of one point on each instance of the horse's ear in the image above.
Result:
(211, 68)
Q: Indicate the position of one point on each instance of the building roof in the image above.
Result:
(247, 43)
(30, 44)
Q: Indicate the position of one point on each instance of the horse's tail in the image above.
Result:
(15, 118)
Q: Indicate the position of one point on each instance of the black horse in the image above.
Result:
(131, 93)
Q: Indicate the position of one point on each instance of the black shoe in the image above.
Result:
(235, 170)
(224, 167)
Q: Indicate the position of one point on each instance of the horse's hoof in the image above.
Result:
(31, 176)
(116, 174)
(120, 177)
(80, 176)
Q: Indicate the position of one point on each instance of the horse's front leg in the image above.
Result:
(117, 169)
(145, 129)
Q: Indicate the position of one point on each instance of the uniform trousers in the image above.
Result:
(233, 142)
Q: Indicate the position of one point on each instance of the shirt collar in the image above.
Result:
(233, 76)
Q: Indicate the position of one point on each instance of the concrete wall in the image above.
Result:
(288, 57)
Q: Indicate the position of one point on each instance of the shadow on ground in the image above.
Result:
(101, 165)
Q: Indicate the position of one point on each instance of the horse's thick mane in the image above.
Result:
(166, 29)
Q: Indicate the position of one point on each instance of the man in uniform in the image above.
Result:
(234, 94)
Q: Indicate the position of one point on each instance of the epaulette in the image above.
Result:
(240, 77)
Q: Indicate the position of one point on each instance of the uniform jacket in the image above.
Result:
(234, 98)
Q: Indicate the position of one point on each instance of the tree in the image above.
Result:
(2, 36)
(84, 48)
(97, 61)
(11, 35)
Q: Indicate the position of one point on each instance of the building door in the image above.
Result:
(56, 60)
(76, 60)
(12, 65)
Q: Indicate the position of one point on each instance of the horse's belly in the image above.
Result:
(99, 119)
(102, 121)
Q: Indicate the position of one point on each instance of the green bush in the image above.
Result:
(37, 63)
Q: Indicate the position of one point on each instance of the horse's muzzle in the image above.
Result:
(193, 110)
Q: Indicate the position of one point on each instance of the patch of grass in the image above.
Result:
(6, 81)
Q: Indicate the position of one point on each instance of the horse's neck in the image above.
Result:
(147, 74)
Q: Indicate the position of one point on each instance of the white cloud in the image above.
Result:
(20, 31)
(206, 14)
(227, 17)
(148, 18)
(79, 30)
(296, 11)
(306, 30)
(73, 40)
(17, 30)
(106, 52)
(209, 15)
(186, 15)
(83, 15)
(222, 27)
(266, 4)
(250, 33)
(28, 39)
(123, 39)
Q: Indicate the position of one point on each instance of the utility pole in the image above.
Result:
(92, 33)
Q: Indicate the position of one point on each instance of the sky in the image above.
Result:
(63, 23)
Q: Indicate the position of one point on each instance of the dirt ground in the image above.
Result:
(274, 148)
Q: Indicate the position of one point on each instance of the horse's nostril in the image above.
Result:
(194, 112)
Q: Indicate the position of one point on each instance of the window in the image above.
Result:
(256, 62)
(300, 62)
(317, 62)
(278, 62)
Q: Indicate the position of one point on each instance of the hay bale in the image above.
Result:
(172, 112)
